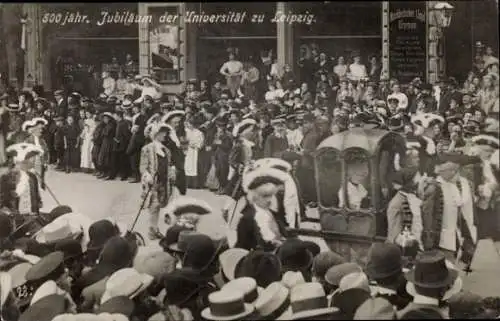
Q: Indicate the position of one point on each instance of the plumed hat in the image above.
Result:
(22, 151)
(188, 205)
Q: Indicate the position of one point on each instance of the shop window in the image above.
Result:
(165, 43)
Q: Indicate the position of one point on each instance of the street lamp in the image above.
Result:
(443, 11)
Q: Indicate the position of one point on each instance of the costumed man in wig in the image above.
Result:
(448, 211)
(34, 128)
(157, 173)
(484, 182)
(242, 153)
(424, 130)
(19, 189)
(259, 227)
(173, 143)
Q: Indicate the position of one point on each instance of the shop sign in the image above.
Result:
(407, 40)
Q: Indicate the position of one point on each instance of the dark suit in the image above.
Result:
(135, 144)
(121, 141)
(62, 108)
(206, 153)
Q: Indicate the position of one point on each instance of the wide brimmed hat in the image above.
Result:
(51, 264)
(23, 151)
(273, 302)
(431, 271)
(324, 261)
(14, 107)
(261, 176)
(188, 205)
(183, 239)
(349, 301)
(157, 263)
(247, 124)
(227, 305)
(170, 115)
(201, 252)
(335, 274)
(248, 286)
(126, 282)
(33, 123)
(118, 304)
(427, 120)
(172, 237)
(384, 260)
(127, 104)
(229, 260)
(100, 232)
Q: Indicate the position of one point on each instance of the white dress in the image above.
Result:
(195, 140)
(87, 144)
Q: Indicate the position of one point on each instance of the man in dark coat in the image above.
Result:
(209, 130)
(59, 145)
(222, 148)
(276, 143)
(121, 140)
(61, 103)
(305, 172)
(136, 142)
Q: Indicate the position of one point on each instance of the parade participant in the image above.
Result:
(357, 196)
(287, 203)
(404, 216)
(241, 154)
(174, 144)
(258, 228)
(157, 172)
(19, 189)
(424, 130)
(35, 127)
(136, 141)
(447, 210)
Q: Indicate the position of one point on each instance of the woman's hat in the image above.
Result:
(261, 176)
(23, 151)
(486, 140)
(384, 260)
(226, 305)
(439, 273)
(273, 302)
(230, 259)
(22, 291)
(188, 205)
(430, 271)
(126, 282)
(245, 125)
(427, 120)
(110, 115)
(127, 104)
(276, 163)
(247, 285)
(308, 300)
(33, 123)
(14, 107)
(262, 266)
(157, 263)
(172, 114)
(45, 309)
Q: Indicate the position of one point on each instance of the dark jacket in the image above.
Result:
(122, 135)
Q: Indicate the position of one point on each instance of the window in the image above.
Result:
(164, 43)
(357, 195)
(329, 176)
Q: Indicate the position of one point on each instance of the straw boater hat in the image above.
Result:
(172, 114)
(33, 123)
(245, 125)
(248, 286)
(308, 300)
(126, 282)
(229, 261)
(273, 302)
(226, 305)
(23, 151)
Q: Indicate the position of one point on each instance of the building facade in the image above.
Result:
(180, 41)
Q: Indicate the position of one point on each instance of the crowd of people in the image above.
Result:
(255, 142)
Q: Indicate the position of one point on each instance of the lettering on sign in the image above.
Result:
(407, 40)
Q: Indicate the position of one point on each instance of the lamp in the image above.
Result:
(443, 11)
